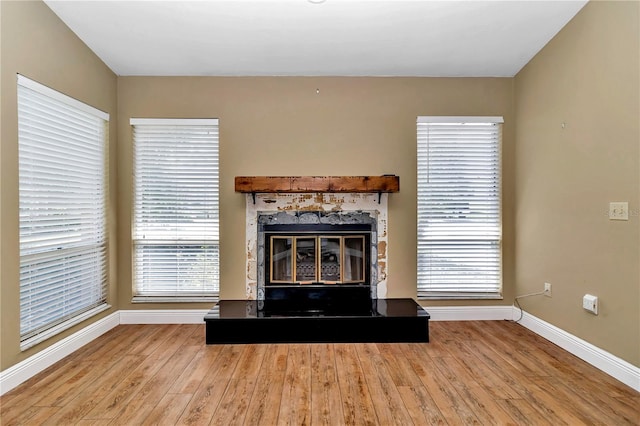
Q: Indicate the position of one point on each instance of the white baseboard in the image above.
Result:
(610, 364)
(24, 370)
(469, 313)
(163, 316)
(616, 367)
(21, 372)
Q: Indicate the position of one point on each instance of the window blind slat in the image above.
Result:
(62, 151)
(176, 219)
(459, 207)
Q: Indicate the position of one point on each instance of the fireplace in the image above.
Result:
(322, 265)
(309, 252)
(316, 266)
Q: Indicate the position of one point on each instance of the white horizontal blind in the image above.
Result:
(459, 207)
(62, 147)
(176, 219)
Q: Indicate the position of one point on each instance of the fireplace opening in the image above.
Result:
(317, 255)
(317, 267)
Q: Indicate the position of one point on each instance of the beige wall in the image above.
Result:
(281, 126)
(37, 44)
(587, 77)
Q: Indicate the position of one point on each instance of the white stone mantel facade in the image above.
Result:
(373, 204)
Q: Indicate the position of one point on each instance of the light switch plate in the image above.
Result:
(619, 210)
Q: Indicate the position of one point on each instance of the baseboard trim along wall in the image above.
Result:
(603, 360)
(616, 367)
(469, 313)
(164, 316)
(23, 371)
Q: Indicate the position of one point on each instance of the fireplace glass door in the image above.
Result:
(326, 259)
(353, 255)
(281, 259)
(330, 250)
(305, 260)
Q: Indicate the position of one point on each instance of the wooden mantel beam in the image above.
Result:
(274, 184)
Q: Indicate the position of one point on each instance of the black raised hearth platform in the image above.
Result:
(297, 320)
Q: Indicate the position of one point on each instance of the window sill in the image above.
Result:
(460, 297)
(174, 299)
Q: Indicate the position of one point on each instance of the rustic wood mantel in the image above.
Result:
(289, 184)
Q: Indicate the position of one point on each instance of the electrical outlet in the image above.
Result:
(619, 210)
(547, 289)
(590, 303)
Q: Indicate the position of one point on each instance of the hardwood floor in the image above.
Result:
(489, 372)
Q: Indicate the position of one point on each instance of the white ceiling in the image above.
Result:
(316, 37)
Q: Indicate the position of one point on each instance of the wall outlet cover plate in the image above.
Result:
(590, 303)
(619, 210)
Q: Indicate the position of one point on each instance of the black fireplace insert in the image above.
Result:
(317, 255)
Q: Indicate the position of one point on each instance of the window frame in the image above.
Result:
(51, 236)
(435, 291)
(161, 296)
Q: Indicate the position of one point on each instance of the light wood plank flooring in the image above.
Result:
(489, 372)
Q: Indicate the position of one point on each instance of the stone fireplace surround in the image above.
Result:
(315, 208)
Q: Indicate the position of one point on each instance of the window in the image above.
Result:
(459, 207)
(175, 213)
(62, 178)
